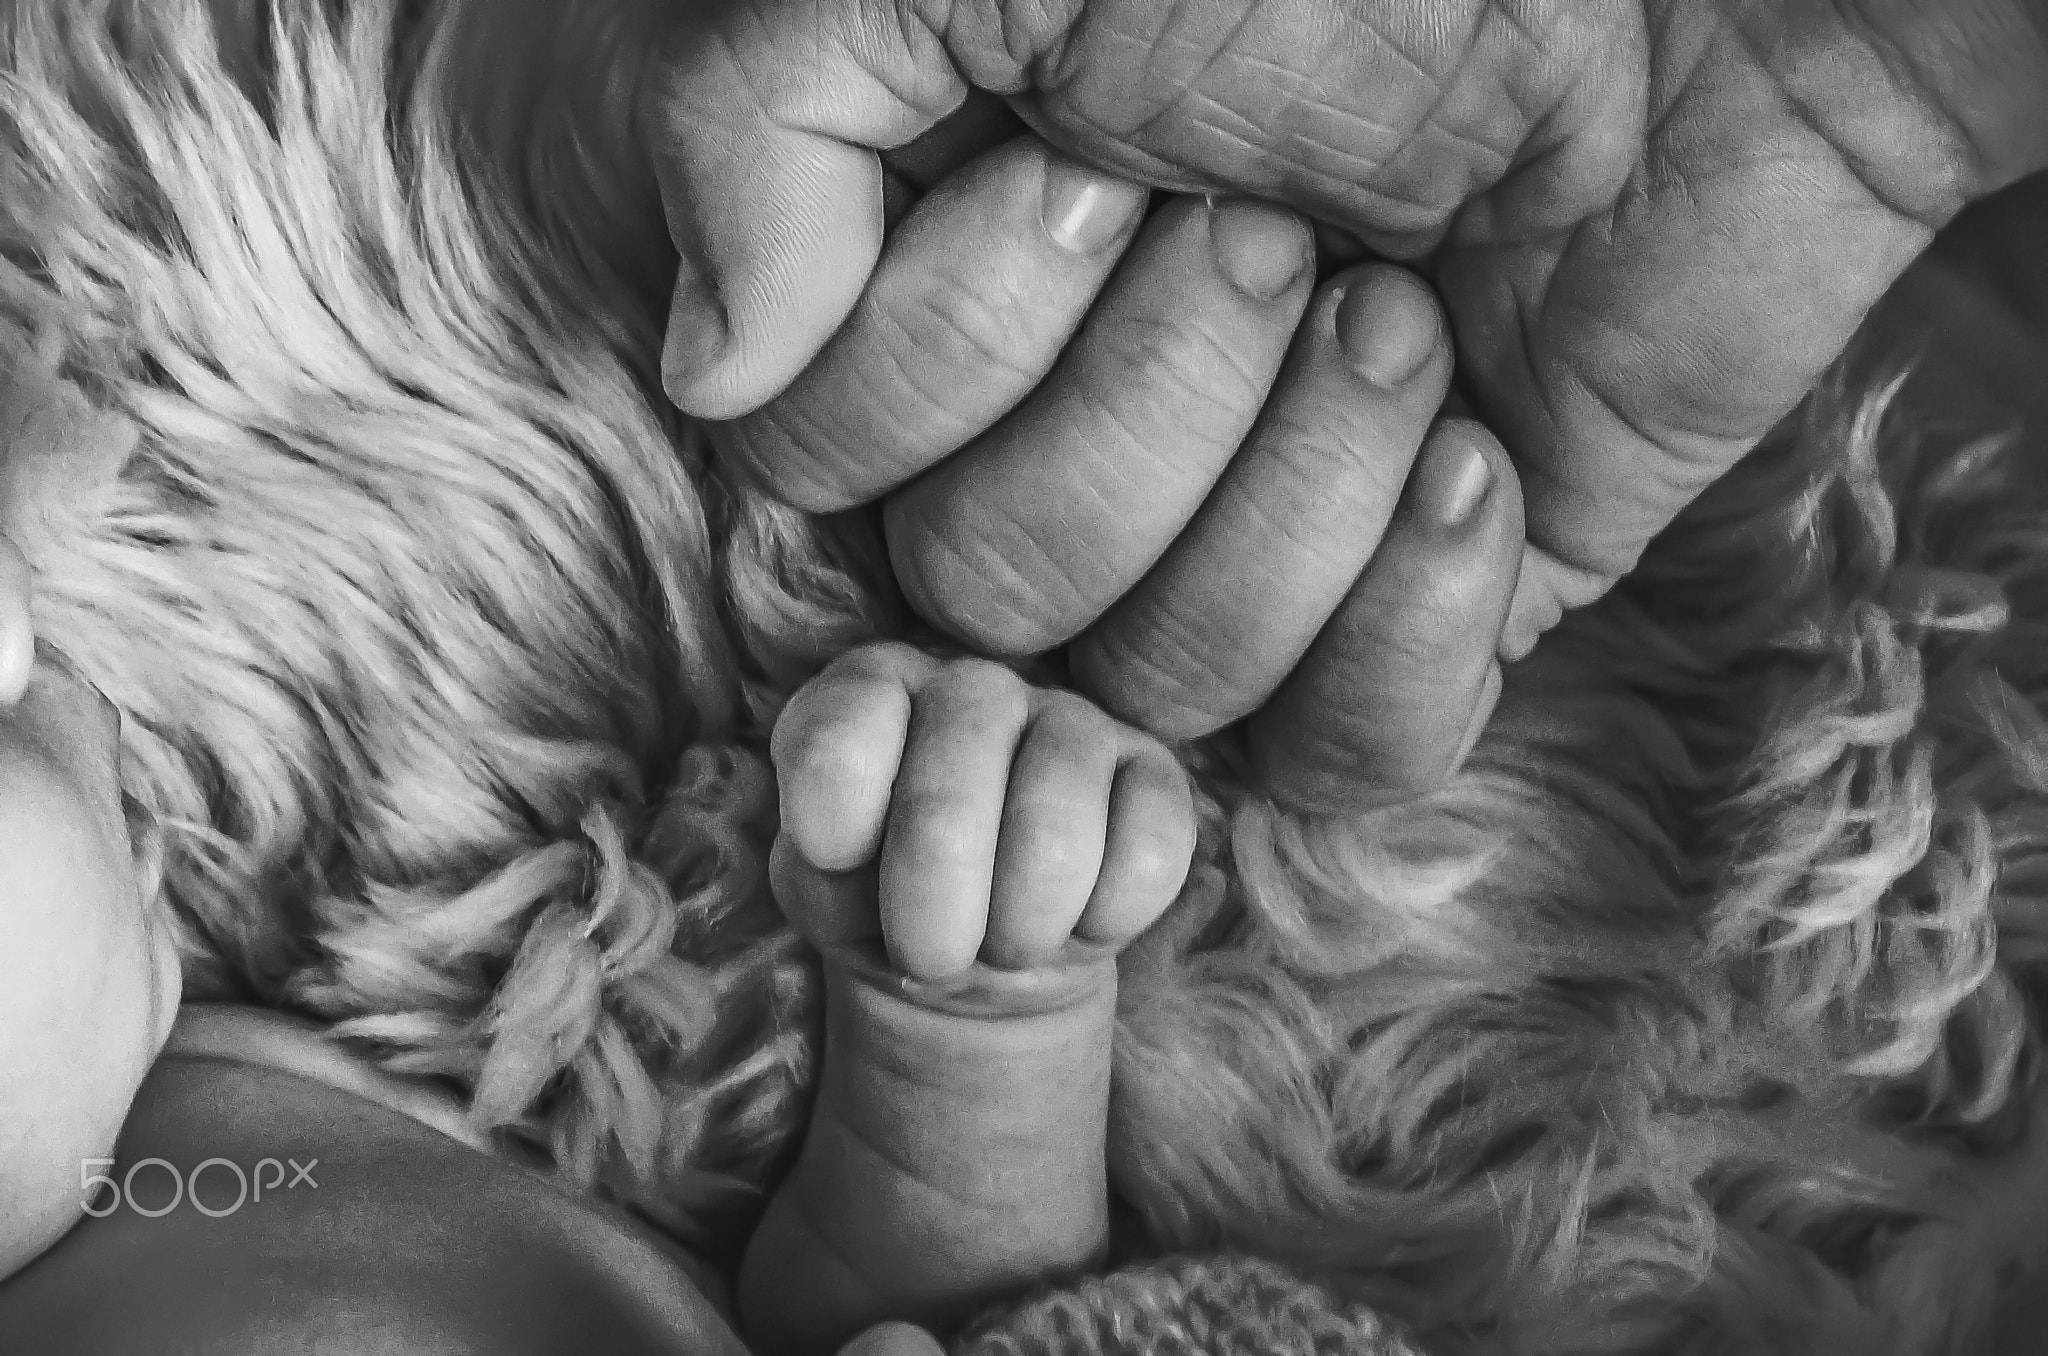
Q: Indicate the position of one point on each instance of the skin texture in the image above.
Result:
(88, 985)
(1654, 222)
(975, 351)
(969, 855)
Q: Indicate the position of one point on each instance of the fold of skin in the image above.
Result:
(955, 1153)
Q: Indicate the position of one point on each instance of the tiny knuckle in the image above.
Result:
(924, 825)
(974, 586)
(879, 662)
(987, 685)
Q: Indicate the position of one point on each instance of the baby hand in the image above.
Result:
(952, 813)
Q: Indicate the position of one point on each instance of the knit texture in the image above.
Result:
(1216, 1306)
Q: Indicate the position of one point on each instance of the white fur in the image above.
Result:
(1694, 1016)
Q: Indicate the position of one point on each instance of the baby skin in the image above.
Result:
(969, 855)
(89, 984)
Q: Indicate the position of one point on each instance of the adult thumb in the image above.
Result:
(763, 122)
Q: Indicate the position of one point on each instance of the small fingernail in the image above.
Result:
(1388, 326)
(1261, 249)
(698, 334)
(1085, 212)
(1456, 479)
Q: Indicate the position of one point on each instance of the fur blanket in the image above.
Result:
(1700, 1014)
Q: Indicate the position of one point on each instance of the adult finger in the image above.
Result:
(1391, 696)
(1019, 542)
(834, 909)
(17, 624)
(893, 1339)
(1228, 612)
(770, 183)
(979, 290)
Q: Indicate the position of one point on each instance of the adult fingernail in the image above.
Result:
(1261, 249)
(1455, 479)
(1084, 211)
(698, 333)
(1388, 326)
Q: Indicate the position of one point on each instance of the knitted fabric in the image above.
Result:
(1214, 1306)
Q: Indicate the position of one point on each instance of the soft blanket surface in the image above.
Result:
(1699, 1014)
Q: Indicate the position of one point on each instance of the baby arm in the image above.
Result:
(969, 855)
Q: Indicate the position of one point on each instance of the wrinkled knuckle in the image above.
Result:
(1057, 851)
(996, 42)
(1001, 598)
(789, 451)
(1161, 672)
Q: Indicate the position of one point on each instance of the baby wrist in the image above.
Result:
(1083, 975)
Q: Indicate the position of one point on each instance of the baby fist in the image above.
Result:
(953, 813)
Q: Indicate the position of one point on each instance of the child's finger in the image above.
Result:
(938, 857)
(1328, 458)
(768, 173)
(17, 624)
(1053, 831)
(831, 908)
(836, 750)
(1151, 841)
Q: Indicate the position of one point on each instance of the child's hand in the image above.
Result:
(955, 814)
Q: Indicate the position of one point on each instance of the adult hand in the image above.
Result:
(1655, 222)
(1211, 379)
